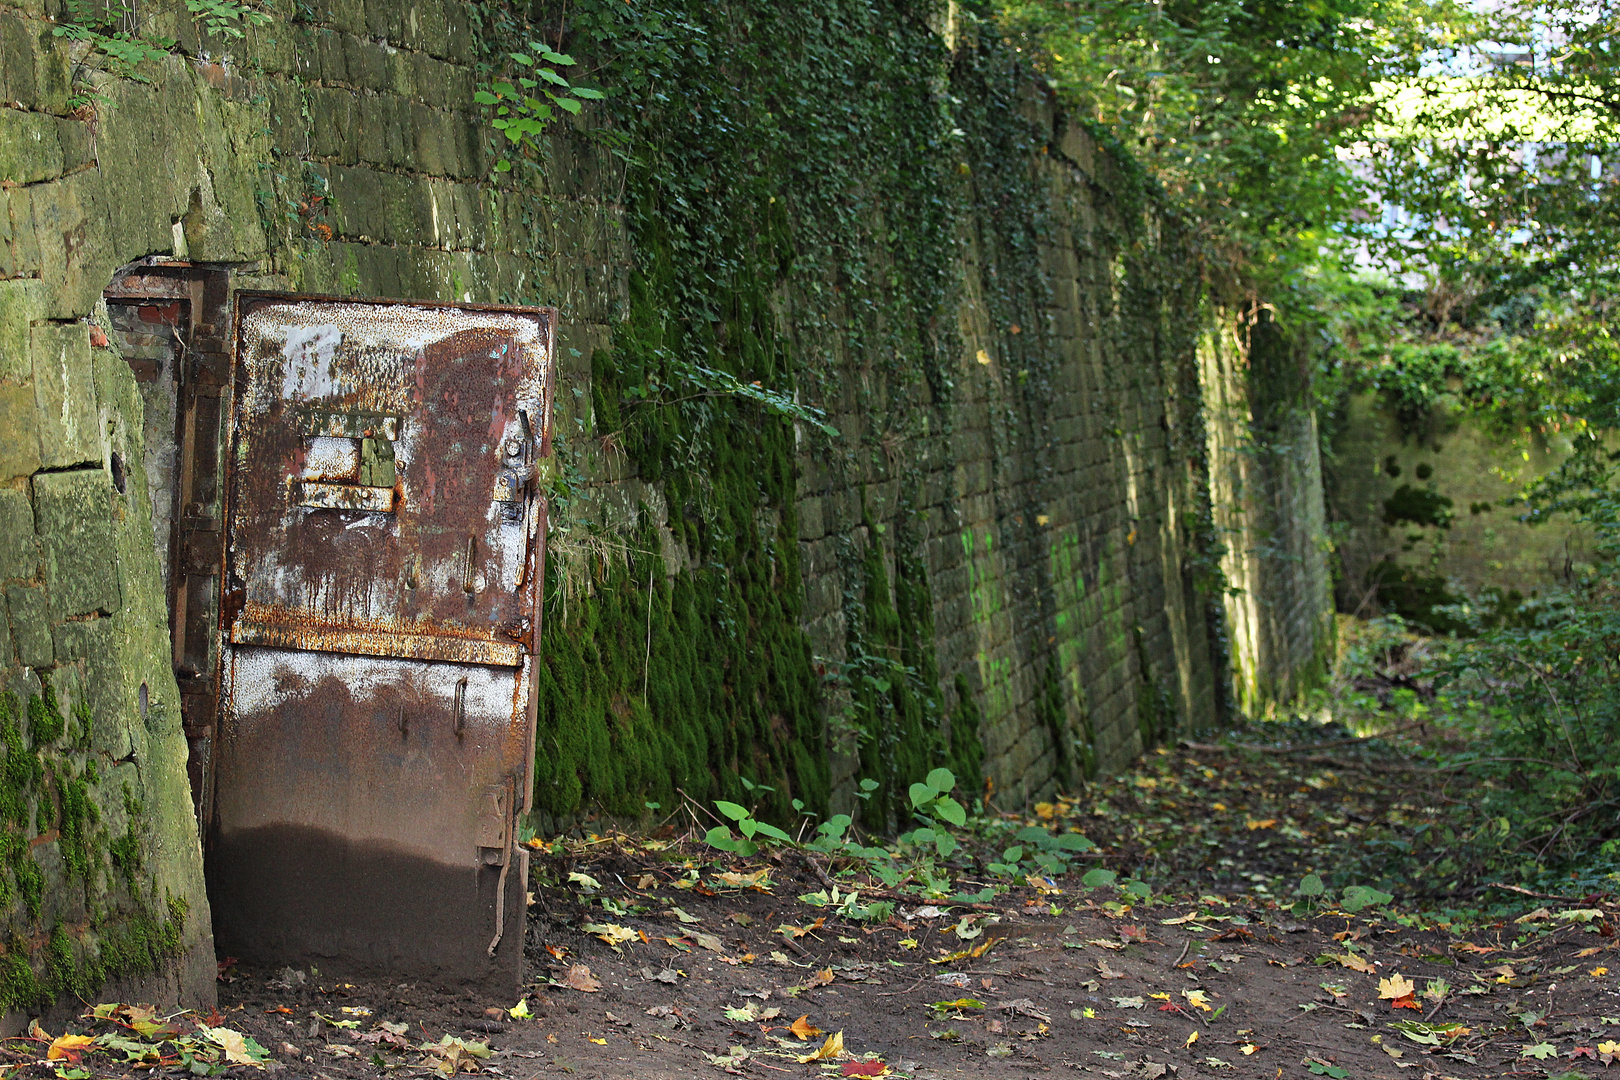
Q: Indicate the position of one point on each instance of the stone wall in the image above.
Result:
(1396, 557)
(1041, 509)
(1266, 490)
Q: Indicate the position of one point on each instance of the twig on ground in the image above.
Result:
(1537, 895)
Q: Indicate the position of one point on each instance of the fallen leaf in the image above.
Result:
(1598, 972)
(803, 1029)
(1584, 953)
(599, 1042)
(1355, 963)
(864, 1068)
(1191, 1039)
(1268, 823)
(557, 951)
(959, 1003)
(820, 978)
(1196, 998)
(579, 977)
(239, 1049)
(832, 1048)
(1395, 987)
(1247, 1049)
(1127, 1003)
(69, 1047)
(645, 882)
(1540, 1051)
(760, 880)
(1106, 972)
(611, 933)
(520, 1011)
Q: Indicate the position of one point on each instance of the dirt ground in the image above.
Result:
(1067, 985)
(714, 959)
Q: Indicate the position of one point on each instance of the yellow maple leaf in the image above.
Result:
(1191, 1039)
(1598, 972)
(908, 943)
(1609, 1047)
(1247, 1048)
(599, 1042)
(69, 1047)
(1395, 987)
(832, 1048)
(1267, 823)
(1197, 998)
(1584, 953)
(803, 1028)
(1045, 810)
(1356, 963)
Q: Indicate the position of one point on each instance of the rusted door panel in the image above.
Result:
(385, 561)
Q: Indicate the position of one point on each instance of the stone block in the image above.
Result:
(29, 148)
(65, 395)
(19, 550)
(72, 514)
(367, 64)
(29, 613)
(19, 447)
(91, 643)
(17, 76)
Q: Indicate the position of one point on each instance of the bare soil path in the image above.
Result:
(656, 957)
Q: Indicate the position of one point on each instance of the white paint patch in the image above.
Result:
(336, 460)
(307, 369)
(265, 680)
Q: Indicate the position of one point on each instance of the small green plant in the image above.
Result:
(749, 826)
(933, 806)
(112, 31)
(226, 18)
(1047, 851)
(1313, 892)
(526, 103)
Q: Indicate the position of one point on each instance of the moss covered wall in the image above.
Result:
(1000, 560)
(1265, 473)
(1428, 516)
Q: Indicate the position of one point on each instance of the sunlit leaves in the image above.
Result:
(523, 106)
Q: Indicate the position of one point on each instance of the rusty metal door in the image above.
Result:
(381, 611)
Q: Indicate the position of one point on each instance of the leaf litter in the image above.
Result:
(1210, 960)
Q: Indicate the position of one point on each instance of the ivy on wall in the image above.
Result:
(798, 187)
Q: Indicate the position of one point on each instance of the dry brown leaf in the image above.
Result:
(821, 978)
(579, 977)
(1356, 963)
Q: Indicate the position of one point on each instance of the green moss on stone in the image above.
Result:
(46, 723)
